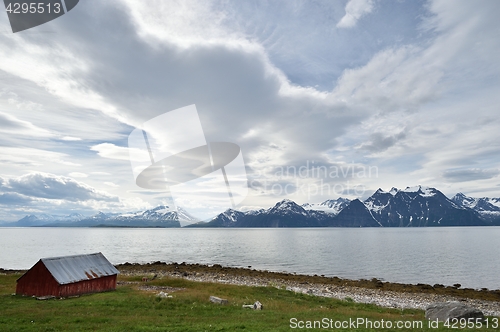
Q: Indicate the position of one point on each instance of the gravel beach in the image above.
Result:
(385, 294)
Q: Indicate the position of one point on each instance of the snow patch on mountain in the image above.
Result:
(487, 207)
(423, 191)
(374, 207)
(286, 207)
(331, 206)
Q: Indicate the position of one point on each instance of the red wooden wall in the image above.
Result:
(88, 286)
(39, 282)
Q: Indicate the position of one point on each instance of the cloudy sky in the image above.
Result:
(356, 94)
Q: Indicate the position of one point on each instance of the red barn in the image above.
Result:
(68, 276)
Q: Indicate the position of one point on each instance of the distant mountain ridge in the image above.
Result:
(42, 219)
(411, 207)
(488, 208)
(417, 207)
(161, 216)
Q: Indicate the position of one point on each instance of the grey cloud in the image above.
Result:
(470, 174)
(380, 142)
(8, 122)
(236, 92)
(354, 10)
(11, 124)
(146, 192)
(49, 186)
(304, 51)
(232, 87)
(14, 199)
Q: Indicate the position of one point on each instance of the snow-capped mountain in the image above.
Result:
(229, 218)
(356, 214)
(161, 216)
(331, 206)
(160, 213)
(418, 206)
(465, 201)
(285, 213)
(287, 207)
(411, 207)
(479, 204)
(30, 220)
(488, 208)
(43, 218)
(74, 217)
(185, 218)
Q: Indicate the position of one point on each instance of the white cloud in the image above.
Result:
(393, 80)
(111, 151)
(28, 105)
(12, 125)
(354, 10)
(186, 23)
(50, 186)
(70, 138)
(33, 157)
(414, 107)
(78, 175)
(37, 63)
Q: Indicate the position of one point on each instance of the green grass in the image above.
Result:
(130, 309)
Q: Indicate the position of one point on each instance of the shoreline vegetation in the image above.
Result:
(175, 297)
(373, 291)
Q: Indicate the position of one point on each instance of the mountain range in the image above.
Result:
(411, 207)
(161, 216)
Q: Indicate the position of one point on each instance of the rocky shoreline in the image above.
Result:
(374, 291)
(385, 294)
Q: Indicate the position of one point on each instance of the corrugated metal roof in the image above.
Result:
(76, 268)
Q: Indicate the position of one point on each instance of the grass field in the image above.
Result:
(131, 309)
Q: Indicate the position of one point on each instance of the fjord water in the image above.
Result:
(469, 256)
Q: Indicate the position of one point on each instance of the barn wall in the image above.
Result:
(88, 286)
(38, 282)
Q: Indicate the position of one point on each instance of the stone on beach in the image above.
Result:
(448, 310)
(218, 300)
(163, 295)
(256, 306)
(409, 298)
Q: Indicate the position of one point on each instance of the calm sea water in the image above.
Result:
(469, 256)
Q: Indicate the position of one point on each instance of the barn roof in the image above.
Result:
(69, 269)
